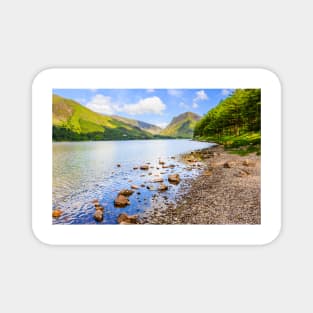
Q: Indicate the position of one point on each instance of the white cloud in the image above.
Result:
(184, 105)
(175, 92)
(101, 104)
(150, 90)
(152, 105)
(225, 92)
(200, 96)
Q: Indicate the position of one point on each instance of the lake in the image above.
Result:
(84, 171)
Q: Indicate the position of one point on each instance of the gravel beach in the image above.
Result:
(226, 192)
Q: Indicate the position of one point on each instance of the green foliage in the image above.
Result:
(234, 122)
(237, 114)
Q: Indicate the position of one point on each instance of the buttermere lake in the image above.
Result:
(85, 171)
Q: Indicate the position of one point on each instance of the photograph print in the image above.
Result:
(156, 156)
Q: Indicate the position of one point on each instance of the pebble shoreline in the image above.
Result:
(226, 192)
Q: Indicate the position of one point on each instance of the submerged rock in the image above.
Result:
(98, 216)
(134, 187)
(163, 187)
(99, 207)
(121, 201)
(126, 192)
(56, 213)
(118, 165)
(174, 178)
(123, 218)
(158, 180)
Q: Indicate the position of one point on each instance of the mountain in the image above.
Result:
(73, 121)
(182, 126)
(150, 128)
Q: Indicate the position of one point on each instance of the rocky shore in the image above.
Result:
(226, 192)
(222, 188)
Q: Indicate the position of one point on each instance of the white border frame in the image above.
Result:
(156, 78)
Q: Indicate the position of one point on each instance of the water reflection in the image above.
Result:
(83, 171)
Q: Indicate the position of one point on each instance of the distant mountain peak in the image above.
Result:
(182, 126)
(185, 115)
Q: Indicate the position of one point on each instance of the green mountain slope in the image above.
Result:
(72, 121)
(182, 126)
(152, 129)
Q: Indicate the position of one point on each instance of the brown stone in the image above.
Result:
(121, 201)
(248, 163)
(242, 173)
(158, 180)
(144, 167)
(163, 187)
(174, 178)
(99, 207)
(98, 216)
(207, 173)
(56, 213)
(134, 187)
(161, 162)
(126, 192)
(125, 219)
(228, 164)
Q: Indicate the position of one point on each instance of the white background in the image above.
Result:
(40, 34)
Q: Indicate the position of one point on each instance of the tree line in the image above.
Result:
(239, 113)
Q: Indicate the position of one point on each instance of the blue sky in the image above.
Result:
(155, 106)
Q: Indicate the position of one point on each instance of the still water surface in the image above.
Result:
(83, 171)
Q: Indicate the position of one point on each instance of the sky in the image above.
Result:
(155, 106)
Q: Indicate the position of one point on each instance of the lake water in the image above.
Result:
(84, 171)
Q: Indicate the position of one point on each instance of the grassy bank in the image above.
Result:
(242, 145)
